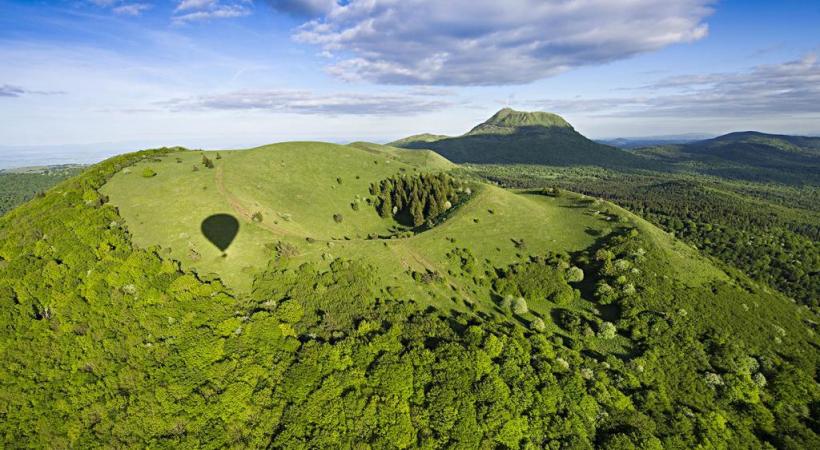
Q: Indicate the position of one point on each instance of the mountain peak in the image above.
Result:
(508, 120)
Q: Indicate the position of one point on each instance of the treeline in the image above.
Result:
(769, 232)
(415, 200)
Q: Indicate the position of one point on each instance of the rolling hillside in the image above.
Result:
(747, 155)
(515, 137)
(503, 319)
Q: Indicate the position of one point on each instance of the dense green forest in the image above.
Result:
(769, 231)
(105, 344)
(20, 186)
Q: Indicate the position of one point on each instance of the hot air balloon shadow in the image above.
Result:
(220, 230)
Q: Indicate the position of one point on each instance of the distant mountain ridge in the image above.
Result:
(749, 155)
(518, 137)
(632, 143)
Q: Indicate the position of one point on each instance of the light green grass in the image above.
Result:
(295, 188)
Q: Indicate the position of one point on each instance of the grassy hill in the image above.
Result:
(516, 137)
(510, 319)
(747, 155)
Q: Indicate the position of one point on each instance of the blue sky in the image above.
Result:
(81, 77)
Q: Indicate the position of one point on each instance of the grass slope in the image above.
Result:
(295, 187)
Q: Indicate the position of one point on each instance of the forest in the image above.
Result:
(111, 345)
(19, 186)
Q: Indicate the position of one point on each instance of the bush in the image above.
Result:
(207, 162)
(257, 217)
(575, 274)
(337, 218)
(519, 306)
(290, 311)
(506, 303)
(285, 249)
(538, 325)
(148, 173)
(607, 331)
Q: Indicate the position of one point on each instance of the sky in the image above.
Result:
(83, 79)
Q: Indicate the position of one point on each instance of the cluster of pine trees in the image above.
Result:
(418, 199)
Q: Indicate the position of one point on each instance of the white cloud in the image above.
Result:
(488, 42)
(131, 9)
(788, 89)
(304, 102)
(186, 5)
(203, 10)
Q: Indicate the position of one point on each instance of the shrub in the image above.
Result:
(148, 173)
(257, 217)
(285, 249)
(337, 218)
(575, 274)
(607, 331)
(519, 306)
(538, 325)
(207, 162)
(290, 311)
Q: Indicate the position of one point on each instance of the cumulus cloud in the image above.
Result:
(488, 42)
(790, 88)
(304, 102)
(203, 10)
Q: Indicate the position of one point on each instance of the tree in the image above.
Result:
(607, 331)
(575, 274)
(538, 325)
(519, 306)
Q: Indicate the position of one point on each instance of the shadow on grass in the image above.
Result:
(220, 230)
